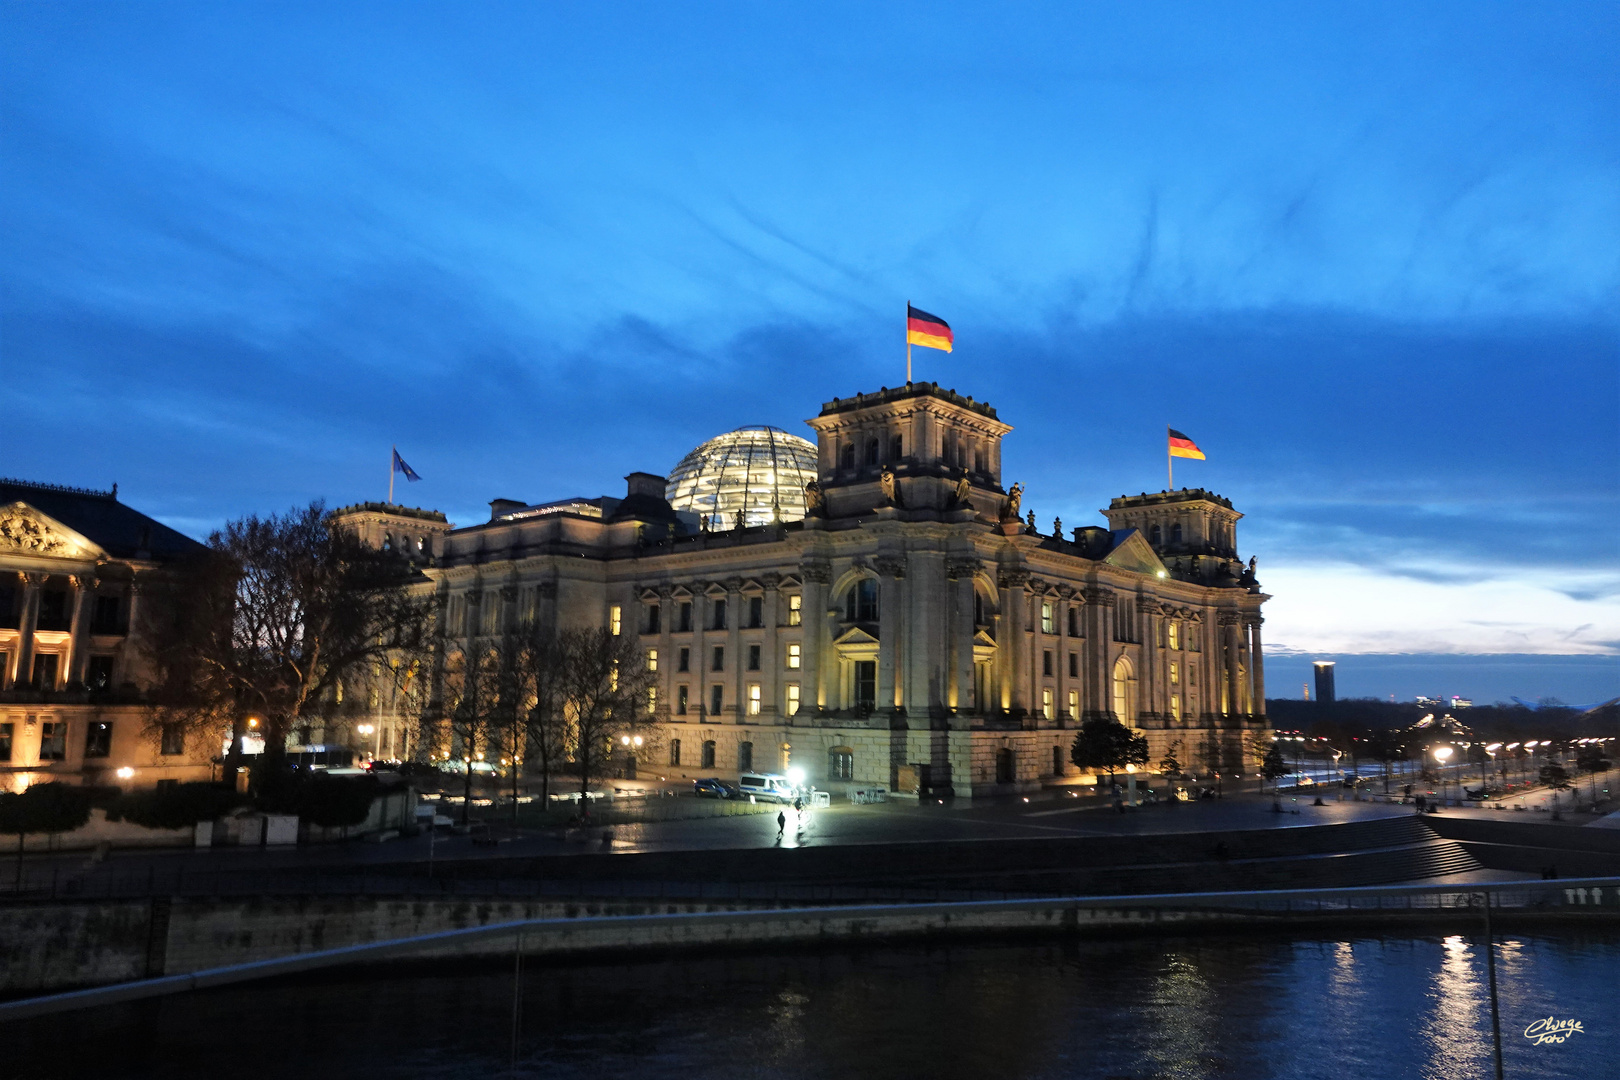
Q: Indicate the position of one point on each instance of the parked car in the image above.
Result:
(715, 788)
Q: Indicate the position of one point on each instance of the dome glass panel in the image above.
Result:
(761, 471)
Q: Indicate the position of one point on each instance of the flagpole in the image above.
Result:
(908, 342)
(392, 451)
(1169, 461)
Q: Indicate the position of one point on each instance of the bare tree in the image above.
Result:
(606, 693)
(273, 620)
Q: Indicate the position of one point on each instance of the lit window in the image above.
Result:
(652, 700)
(793, 699)
(795, 610)
(613, 677)
(1048, 621)
(1046, 703)
(1074, 703)
(1175, 674)
(52, 742)
(794, 656)
(1175, 706)
(1175, 635)
(615, 619)
(652, 659)
(753, 699)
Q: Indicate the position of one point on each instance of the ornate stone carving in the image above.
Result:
(24, 532)
(956, 569)
(815, 503)
(1013, 578)
(959, 498)
(892, 566)
(1228, 618)
(891, 495)
(1067, 592)
(509, 593)
(771, 580)
(817, 571)
(1095, 594)
(1015, 499)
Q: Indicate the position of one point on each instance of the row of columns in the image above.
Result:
(84, 588)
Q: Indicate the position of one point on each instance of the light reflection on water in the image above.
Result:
(1143, 1009)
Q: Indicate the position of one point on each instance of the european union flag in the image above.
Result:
(401, 467)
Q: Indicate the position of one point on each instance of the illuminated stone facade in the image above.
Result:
(910, 632)
(73, 564)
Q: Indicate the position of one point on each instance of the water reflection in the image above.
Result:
(1457, 1028)
(1188, 1009)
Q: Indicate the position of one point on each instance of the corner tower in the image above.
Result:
(1193, 531)
(930, 440)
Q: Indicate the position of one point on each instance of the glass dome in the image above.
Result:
(761, 471)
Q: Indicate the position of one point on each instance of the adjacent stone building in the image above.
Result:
(910, 631)
(73, 564)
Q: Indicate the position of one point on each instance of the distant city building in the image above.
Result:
(73, 564)
(875, 610)
(1324, 681)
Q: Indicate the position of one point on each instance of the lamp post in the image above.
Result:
(367, 730)
(1442, 754)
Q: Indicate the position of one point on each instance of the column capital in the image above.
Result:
(958, 568)
(33, 579)
(1228, 618)
(1096, 594)
(892, 566)
(1013, 578)
(818, 571)
(85, 582)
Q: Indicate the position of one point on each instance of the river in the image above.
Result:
(1135, 1008)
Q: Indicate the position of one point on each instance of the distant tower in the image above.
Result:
(1324, 681)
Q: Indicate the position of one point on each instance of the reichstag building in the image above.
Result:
(872, 607)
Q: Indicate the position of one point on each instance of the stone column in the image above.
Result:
(27, 623)
(666, 652)
(891, 572)
(128, 652)
(736, 665)
(816, 575)
(774, 654)
(702, 677)
(1014, 623)
(1228, 622)
(84, 591)
(1098, 699)
(959, 632)
(1257, 669)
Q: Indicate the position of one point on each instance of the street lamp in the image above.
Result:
(366, 730)
(1442, 754)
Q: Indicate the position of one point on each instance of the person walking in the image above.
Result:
(781, 823)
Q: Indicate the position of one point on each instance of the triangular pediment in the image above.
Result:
(790, 581)
(681, 592)
(983, 637)
(26, 531)
(855, 635)
(1134, 553)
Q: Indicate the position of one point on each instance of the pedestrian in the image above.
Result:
(798, 804)
(781, 824)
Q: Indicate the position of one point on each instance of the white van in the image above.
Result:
(773, 786)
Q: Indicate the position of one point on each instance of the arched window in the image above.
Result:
(847, 456)
(1006, 766)
(841, 763)
(745, 757)
(1124, 691)
(872, 450)
(894, 450)
(708, 754)
(1175, 533)
(674, 751)
(1155, 537)
(861, 602)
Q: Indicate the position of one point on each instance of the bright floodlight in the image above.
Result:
(795, 776)
(761, 471)
(125, 773)
(1441, 753)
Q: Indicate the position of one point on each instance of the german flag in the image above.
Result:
(1181, 446)
(925, 329)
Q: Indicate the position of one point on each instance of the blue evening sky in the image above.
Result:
(1366, 255)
